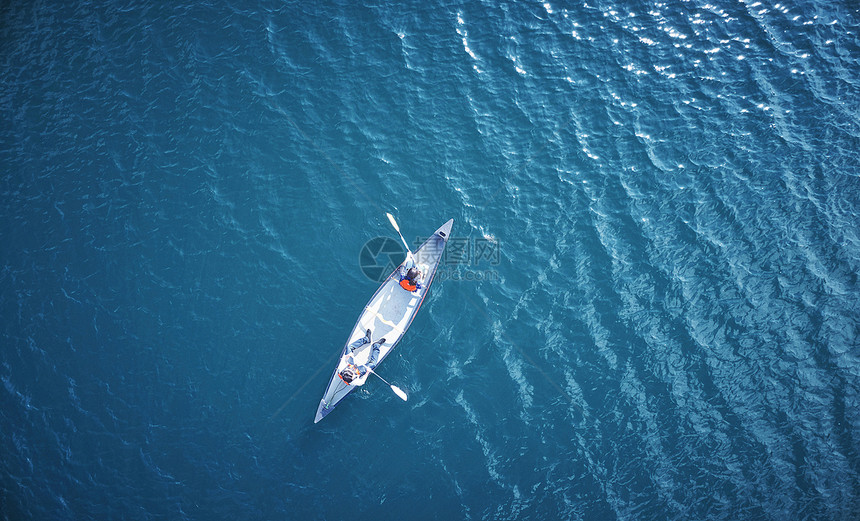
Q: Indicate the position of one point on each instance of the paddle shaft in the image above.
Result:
(397, 229)
(381, 378)
(397, 390)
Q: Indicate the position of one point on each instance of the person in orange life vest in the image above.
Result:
(352, 371)
(409, 275)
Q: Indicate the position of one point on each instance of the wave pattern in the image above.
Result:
(673, 188)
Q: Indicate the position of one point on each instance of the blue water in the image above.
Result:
(670, 329)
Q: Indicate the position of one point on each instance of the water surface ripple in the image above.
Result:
(670, 330)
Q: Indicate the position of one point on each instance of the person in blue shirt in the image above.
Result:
(409, 275)
(355, 372)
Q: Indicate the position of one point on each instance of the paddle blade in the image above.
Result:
(393, 222)
(399, 392)
(397, 228)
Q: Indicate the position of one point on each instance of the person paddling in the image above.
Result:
(409, 275)
(352, 371)
(409, 281)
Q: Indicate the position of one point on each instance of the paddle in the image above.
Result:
(397, 228)
(397, 390)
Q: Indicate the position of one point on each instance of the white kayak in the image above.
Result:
(388, 315)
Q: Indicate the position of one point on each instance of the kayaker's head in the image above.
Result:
(412, 274)
(349, 374)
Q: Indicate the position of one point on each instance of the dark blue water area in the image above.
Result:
(650, 310)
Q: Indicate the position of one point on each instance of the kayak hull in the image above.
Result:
(388, 315)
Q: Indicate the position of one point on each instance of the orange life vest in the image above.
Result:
(354, 370)
(408, 285)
